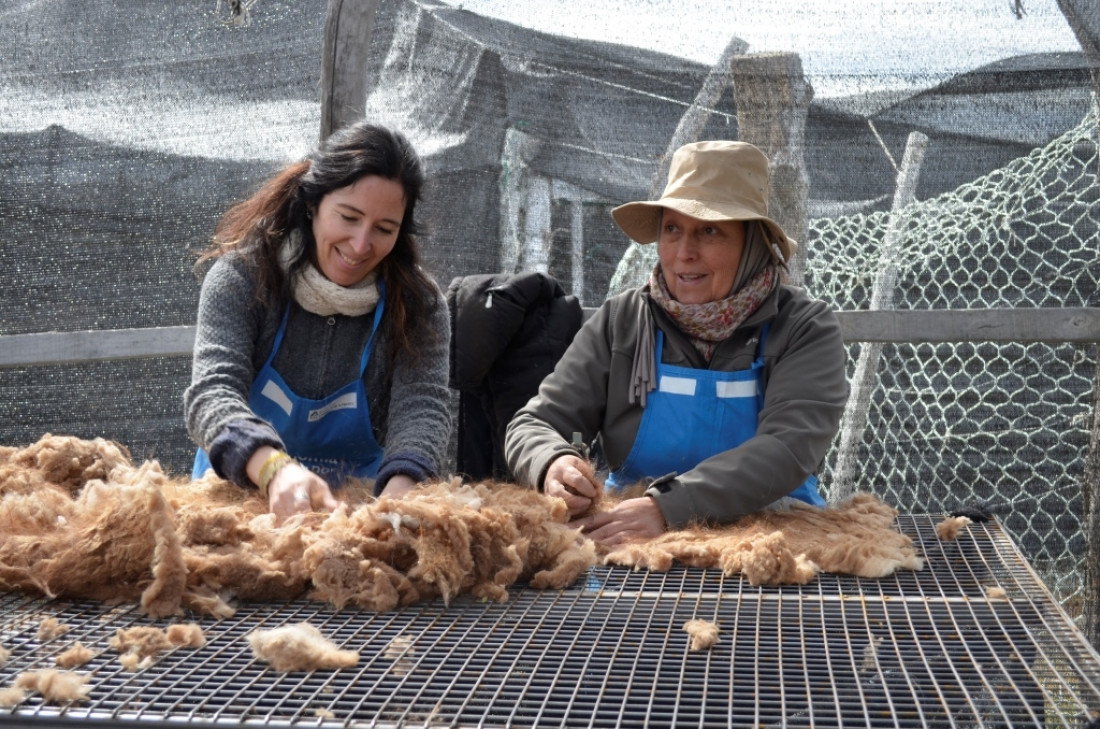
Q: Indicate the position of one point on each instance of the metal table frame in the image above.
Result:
(937, 647)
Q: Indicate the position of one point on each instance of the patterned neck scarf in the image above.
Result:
(710, 323)
(706, 324)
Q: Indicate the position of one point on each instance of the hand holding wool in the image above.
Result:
(569, 479)
(399, 486)
(297, 490)
(630, 520)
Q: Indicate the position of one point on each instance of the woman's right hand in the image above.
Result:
(296, 490)
(566, 479)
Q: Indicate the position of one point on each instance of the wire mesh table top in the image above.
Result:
(973, 639)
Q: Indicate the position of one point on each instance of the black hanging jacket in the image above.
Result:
(507, 333)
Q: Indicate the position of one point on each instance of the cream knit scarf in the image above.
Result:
(317, 295)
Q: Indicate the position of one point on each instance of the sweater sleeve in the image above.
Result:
(419, 422)
(570, 399)
(231, 449)
(216, 408)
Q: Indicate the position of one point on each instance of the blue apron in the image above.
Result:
(694, 414)
(332, 436)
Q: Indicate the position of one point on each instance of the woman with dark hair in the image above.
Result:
(321, 346)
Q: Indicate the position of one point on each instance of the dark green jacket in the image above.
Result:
(805, 391)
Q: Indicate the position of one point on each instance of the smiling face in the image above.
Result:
(699, 257)
(356, 227)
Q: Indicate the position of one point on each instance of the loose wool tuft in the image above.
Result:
(299, 647)
(140, 645)
(51, 628)
(11, 696)
(703, 634)
(948, 530)
(55, 686)
(77, 655)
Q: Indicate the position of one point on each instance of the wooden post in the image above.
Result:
(576, 249)
(1083, 17)
(773, 100)
(345, 52)
(1090, 495)
(1090, 519)
(525, 207)
(854, 420)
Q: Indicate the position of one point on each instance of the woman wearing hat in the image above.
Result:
(715, 382)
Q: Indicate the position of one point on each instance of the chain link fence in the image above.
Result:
(1005, 426)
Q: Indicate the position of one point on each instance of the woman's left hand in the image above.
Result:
(398, 486)
(628, 521)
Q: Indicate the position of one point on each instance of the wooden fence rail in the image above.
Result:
(46, 348)
(1080, 325)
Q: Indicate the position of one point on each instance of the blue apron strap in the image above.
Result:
(365, 357)
(279, 334)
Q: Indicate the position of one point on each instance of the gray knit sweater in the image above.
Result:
(234, 336)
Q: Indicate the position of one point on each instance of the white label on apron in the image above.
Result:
(343, 402)
(678, 385)
(272, 392)
(743, 388)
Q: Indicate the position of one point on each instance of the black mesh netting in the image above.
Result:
(125, 131)
(127, 128)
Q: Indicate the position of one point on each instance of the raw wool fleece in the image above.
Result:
(78, 519)
(786, 546)
(443, 540)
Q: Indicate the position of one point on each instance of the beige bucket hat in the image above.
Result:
(714, 180)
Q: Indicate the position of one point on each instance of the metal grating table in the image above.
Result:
(928, 648)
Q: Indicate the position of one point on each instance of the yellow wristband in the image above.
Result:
(271, 466)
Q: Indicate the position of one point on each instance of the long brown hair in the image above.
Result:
(257, 227)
